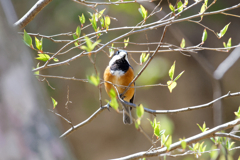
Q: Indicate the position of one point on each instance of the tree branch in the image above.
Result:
(30, 15)
(88, 120)
(190, 140)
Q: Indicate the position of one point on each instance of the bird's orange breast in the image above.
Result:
(124, 80)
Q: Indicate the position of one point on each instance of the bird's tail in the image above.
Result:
(127, 117)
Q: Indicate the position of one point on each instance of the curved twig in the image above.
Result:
(29, 16)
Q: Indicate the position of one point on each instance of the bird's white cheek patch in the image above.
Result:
(117, 73)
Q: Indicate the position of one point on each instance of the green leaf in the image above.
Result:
(172, 70)
(203, 9)
(95, 80)
(180, 74)
(229, 44)
(38, 44)
(163, 140)
(112, 93)
(172, 8)
(203, 128)
(94, 22)
(78, 31)
(238, 112)
(206, 2)
(144, 57)
(223, 31)
(101, 13)
(126, 42)
(107, 22)
(102, 22)
(171, 85)
(180, 6)
(157, 130)
(185, 2)
(182, 45)
(140, 111)
(111, 51)
(43, 57)
(204, 36)
(54, 103)
(168, 143)
(27, 39)
(95, 44)
(82, 19)
(143, 12)
(75, 37)
(183, 144)
(113, 103)
(137, 123)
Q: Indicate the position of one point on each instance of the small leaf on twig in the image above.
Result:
(95, 80)
(107, 22)
(140, 111)
(180, 6)
(54, 103)
(204, 36)
(126, 42)
(223, 31)
(172, 70)
(27, 39)
(143, 12)
(182, 45)
(143, 58)
(171, 85)
(172, 8)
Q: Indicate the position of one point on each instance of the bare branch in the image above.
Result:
(29, 16)
(174, 111)
(190, 140)
(229, 135)
(88, 120)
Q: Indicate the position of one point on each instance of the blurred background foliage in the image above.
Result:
(106, 136)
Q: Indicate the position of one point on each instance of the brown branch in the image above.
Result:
(175, 111)
(29, 16)
(88, 120)
(190, 140)
(229, 135)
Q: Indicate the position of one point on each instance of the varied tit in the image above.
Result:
(120, 72)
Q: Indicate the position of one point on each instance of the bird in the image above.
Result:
(120, 72)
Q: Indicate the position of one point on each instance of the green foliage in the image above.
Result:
(228, 144)
(113, 103)
(198, 148)
(140, 111)
(204, 36)
(168, 143)
(229, 44)
(38, 44)
(203, 128)
(93, 22)
(143, 58)
(180, 6)
(82, 19)
(45, 57)
(171, 7)
(143, 12)
(78, 31)
(90, 46)
(107, 22)
(238, 112)
(223, 31)
(126, 42)
(137, 123)
(183, 143)
(54, 103)
(185, 2)
(172, 83)
(27, 39)
(95, 80)
(182, 45)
